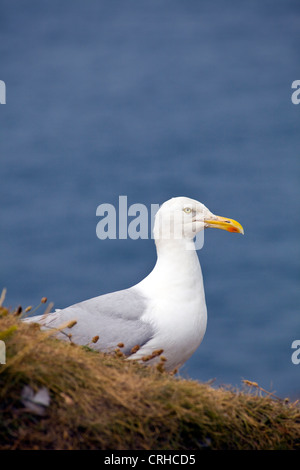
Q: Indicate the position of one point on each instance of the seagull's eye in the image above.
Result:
(187, 210)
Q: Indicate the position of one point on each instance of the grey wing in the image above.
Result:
(114, 317)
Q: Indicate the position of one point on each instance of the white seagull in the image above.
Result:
(166, 311)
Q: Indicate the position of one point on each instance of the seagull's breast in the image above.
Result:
(179, 317)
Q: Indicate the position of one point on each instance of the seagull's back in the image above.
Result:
(114, 317)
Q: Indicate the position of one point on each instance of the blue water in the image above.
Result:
(154, 100)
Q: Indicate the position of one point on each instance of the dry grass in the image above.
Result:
(103, 402)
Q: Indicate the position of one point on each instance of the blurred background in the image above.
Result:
(155, 99)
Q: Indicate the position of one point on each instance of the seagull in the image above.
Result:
(164, 316)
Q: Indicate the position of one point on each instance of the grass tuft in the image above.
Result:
(100, 401)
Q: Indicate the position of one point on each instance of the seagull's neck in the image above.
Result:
(179, 255)
(177, 267)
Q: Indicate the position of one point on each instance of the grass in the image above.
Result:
(101, 401)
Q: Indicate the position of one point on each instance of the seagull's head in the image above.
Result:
(182, 217)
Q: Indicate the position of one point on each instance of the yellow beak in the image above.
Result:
(225, 224)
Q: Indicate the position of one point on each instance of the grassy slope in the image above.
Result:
(103, 402)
